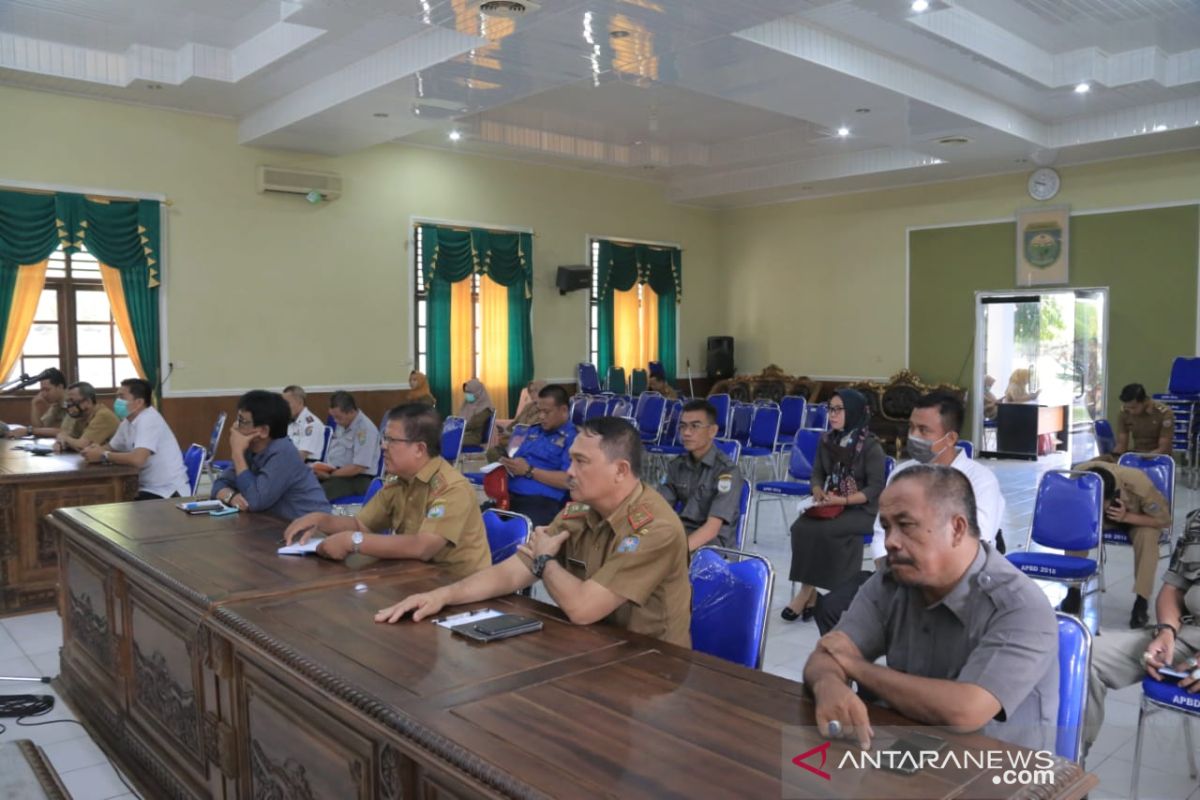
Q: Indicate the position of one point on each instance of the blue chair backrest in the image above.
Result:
(670, 432)
(506, 531)
(791, 416)
(817, 417)
(804, 453)
(638, 382)
(487, 427)
(889, 464)
(1067, 510)
(1106, 440)
(1185, 376)
(655, 368)
(764, 428)
(721, 403)
(1159, 468)
(588, 379)
(579, 405)
(650, 409)
(596, 407)
(730, 601)
(967, 447)
(1074, 663)
(730, 447)
(374, 487)
(452, 436)
(739, 533)
(615, 382)
(325, 445)
(193, 461)
(740, 421)
(215, 438)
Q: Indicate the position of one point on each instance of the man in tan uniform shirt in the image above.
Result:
(429, 506)
(617, 554)
(1145, 425)
(88, 421)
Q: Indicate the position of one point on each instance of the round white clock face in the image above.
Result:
(1044, 184)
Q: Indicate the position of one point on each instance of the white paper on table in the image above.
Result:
(308, 548)
(805, 504)
(467, 617)
(492, 467)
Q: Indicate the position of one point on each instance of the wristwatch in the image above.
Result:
(104, 457)
(539, 565)
(356, 539)
(529, 472)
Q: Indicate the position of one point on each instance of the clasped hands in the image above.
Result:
(543, 543)
(824, 498)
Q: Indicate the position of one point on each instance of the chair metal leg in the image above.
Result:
(1187, 742)
(756, 503)
(1137, 752)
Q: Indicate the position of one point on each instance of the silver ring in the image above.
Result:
(835, 728)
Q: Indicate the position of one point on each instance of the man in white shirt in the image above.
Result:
(305, 430)
(933, 430)
(143, 440)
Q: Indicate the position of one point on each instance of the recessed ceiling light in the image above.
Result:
(455, 136)
(504, 8)
(620, 34)
(843, 131)
(920, 5)
(862, 111)
(953, 140)
(1083, 88)
(380, 115)
(154, 87)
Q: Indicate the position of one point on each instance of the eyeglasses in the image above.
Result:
(388, 441)
(242, 422)
(837, 409)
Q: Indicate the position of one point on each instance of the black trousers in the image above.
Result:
(144, 495)
(541, 510)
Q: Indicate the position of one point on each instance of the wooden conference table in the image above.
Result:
(209, 666)
(31, 486)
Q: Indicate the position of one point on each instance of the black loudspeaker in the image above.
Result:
(574, 278)
(719, 363)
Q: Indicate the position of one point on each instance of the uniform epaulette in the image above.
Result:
(576, 510)
(640, 516)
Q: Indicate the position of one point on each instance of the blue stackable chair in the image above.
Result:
(799, 474)
(596, 407)
(1067, 515)
(739, 533)
(721, 403)
(1185, 377)
(740, 420)
(655, 368)
(325, 444)
(1106, 440)
(587, 378)
(817, 416)
(651, 407)
(1160, 469)
(452, 435)
(668, 445)
(967, 447)
(361, 499)
(730, 448)
(764, 431)
(1074, 667)
(579, 405)
(193, 463)
(1164, 696)
(638, 382)
(889, 465)
(731, 600)
(487, 436)
(615, 381)
(211, 465)
(619, 405)
(506, 531)
(792, 409)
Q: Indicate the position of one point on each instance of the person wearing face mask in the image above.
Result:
(143, 440)
(847, 478)
(267, 474)
(617, 554)
(933, 430)
(88, 421)
(477, 409)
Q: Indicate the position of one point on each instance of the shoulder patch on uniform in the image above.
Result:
(308, 431)
(724, 482)
(362, 437)
(437, 510)
(309, 418)
(436, 482)
(640, 517)
(575, 510)
(628, 545)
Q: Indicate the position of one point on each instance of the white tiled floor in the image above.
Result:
(29, 647)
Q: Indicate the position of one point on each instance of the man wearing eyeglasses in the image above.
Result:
(88, 420)
(703, 484)
(429, 506)
(267, 474)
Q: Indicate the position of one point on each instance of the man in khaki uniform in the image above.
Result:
(1133, 504)
(87, 422)
(1145, 425)
(429, 506)
(617, 554)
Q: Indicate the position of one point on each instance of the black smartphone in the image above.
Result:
(913, 743)
(501, 627)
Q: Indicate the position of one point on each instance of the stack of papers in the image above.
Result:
(308, 548)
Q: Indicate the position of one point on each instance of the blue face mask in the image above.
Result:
(470, 396)
(120, 408)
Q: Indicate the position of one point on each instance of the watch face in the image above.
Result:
(1044, 184)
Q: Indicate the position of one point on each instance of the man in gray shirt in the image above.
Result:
(703, 484)
(971, 642)
(353, 450)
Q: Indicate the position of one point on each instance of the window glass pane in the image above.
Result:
(119, 344)
(47, 309)
(421, 314)
(91, 306)
(421, 340)
(56, 269)
(124, 369)
(43, 340)
(94, 340)
(33, 366)
(96, 371)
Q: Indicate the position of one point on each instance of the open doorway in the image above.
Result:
(1040, 369)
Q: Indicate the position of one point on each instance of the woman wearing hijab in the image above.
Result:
(1018, 387)
(847, 480)
(418, 391)
(477, 409)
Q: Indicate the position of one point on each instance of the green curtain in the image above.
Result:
(449, 256)
(122, 235)
(619, 267)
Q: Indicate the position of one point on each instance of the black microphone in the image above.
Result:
(26, 380)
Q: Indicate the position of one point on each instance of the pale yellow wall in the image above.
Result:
(268, 290)
(820, 283)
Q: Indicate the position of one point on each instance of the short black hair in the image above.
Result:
(56, 377)
(85, 389)
(561, 398)
(700, 404)
(422, 423)
(1133, 393)
(140, 389)
(618, 439)
(267, 408)
(1107, 478)
(342, 401)
(949, 407)
(946, 487)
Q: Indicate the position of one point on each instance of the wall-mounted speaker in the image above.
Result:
(573, 278)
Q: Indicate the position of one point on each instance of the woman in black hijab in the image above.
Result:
(847, 479)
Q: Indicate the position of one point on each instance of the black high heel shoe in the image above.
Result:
(808, 613)
(789, 615)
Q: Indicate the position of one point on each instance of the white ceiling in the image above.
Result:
(722, 102)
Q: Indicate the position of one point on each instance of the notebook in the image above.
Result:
(308, 548)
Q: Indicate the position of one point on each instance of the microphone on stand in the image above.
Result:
(26, 380)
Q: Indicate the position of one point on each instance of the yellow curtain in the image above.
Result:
(462, 340)
(26, 294)
(649, 328)
(493, 310)
(111, 278)
(635, 328)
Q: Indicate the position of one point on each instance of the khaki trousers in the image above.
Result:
(1145, 558)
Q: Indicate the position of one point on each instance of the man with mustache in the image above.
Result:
(971, 642)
